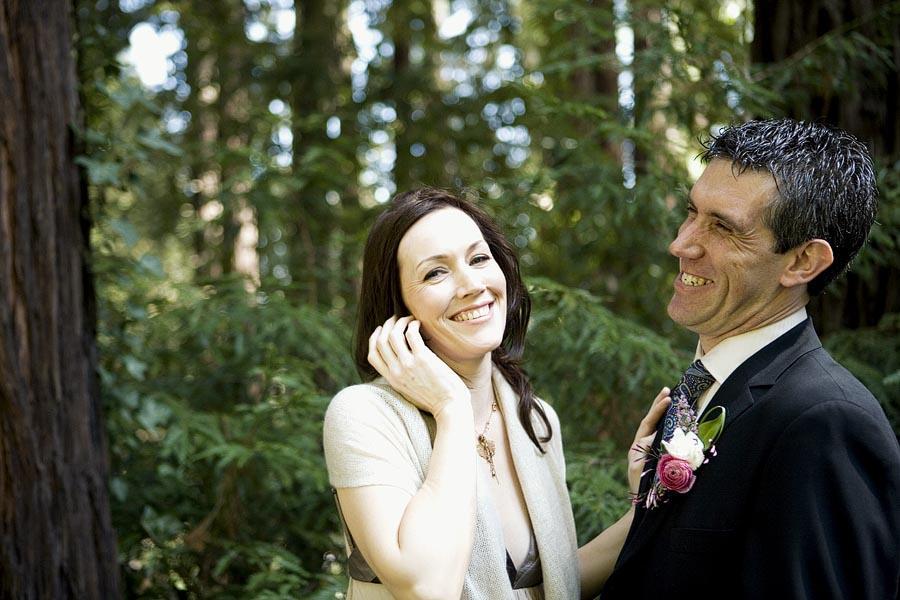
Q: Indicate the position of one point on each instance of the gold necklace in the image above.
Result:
(486, 447)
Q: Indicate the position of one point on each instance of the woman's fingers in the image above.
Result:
(662, 395)
(414, 337)
(643, 444)
(398, 352)
(384, 341)
(397, 340)
(381, 352)
(374, 355)
(637, 457)
(643, 438)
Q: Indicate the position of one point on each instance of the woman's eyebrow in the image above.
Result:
(442, 256)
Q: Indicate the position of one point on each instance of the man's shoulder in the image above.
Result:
(815, 378)
(817, 370)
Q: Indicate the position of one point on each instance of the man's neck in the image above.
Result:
(707, 343)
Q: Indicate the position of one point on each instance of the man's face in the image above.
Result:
(728, 280)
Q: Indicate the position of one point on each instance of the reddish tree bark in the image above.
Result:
(56, 536)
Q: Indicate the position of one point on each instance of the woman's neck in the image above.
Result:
(477, 375)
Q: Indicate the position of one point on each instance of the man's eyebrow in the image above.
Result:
(730, 222)
(443, 256)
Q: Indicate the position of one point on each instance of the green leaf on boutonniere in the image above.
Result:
(711, 425)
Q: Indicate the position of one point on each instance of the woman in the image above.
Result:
(449, 472)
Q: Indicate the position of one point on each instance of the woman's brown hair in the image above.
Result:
(380, 294)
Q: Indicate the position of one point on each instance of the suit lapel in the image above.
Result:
(736, 395)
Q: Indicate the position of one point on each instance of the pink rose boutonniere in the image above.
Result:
(690, 445)
(675, 474)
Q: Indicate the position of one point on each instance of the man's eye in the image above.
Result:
(723, 227)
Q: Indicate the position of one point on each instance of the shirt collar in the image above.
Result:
(730, 353)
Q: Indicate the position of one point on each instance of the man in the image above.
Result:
(802, 497)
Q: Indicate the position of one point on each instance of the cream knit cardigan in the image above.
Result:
(405, 431)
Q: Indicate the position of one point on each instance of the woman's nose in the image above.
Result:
(469, 282)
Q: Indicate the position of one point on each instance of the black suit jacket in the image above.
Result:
(802, 500)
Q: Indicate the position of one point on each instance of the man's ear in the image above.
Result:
(807, 261)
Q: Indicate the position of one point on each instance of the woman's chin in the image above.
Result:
(467, 352)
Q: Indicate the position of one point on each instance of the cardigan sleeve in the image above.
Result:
(366, 442)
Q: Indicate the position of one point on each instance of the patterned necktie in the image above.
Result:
(694, 382)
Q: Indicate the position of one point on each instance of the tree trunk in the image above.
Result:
(315, 72)
(868, 107)
(56, 536)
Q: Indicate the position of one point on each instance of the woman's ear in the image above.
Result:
(807, 261)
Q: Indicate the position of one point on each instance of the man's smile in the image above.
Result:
(691, 280)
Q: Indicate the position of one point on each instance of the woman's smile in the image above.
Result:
(478, 314)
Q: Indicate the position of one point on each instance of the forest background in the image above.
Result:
(231, 189)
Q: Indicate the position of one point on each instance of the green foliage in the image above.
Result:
(599, 370)
(883, 247)
(597, 487)
(873, 356)
(214, 400)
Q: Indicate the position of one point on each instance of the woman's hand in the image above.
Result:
(643, 439)
(399, 354)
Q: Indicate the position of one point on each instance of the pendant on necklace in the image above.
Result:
(486, 449)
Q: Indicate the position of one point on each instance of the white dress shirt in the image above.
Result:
(730, 353)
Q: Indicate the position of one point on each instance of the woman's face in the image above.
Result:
(451, 284)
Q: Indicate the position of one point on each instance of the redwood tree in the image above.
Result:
(56, 536)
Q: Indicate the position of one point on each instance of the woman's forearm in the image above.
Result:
(597, 558)
(419, 546)
(437, 529)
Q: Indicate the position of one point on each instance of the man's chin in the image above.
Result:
(683, 317)
(675, 312)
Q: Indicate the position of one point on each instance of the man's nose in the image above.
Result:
(687, 243)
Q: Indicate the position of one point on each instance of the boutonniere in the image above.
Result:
(691, 444)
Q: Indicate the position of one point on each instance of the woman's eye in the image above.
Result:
(480, 258)
(433, 273)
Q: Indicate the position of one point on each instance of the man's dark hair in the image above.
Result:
(380, 293)
(826, 184)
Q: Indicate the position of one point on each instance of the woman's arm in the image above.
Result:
(419, 545)
(597, 558)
